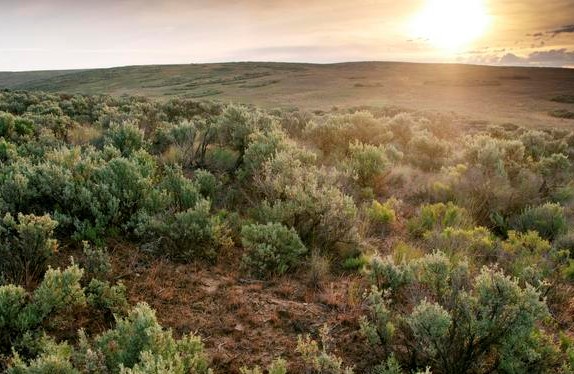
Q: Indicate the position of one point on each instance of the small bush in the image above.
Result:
(384, 274)
(548, 220)
(562, 113)
(278, 366)
(427, 152)
(366, 162)
(457, 323)
(103, 297)
(381, 215)
(207, 184)
(23, 314)
(271, 248)
(317, 356)
(477, 241)
(437, 217)
(527, 256)
(26, 244)
(568, 99)
(191, 235)
(139, 344)
(96, 262)
(126, 137)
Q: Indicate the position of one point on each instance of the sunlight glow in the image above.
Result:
(450, 24)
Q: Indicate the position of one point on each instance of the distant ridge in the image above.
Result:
(498, 94)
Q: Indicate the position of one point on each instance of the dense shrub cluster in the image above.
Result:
(462, 231)
(271, 248)
(457, 320)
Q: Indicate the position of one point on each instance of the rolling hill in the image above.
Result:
(495, 94)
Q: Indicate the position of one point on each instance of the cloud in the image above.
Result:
(554, 58)
(562, 30)
(504, 57)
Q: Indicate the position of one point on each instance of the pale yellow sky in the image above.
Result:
(58, 34)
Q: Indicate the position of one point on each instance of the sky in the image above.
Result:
(75, 34)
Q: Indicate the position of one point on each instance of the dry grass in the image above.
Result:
(83, 135)
(244, 321)
(494, 94)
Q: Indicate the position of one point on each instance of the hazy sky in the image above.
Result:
(56, 34)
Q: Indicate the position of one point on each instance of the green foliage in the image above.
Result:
(391, 366)
(528, 255)
(380, 216)
(271, 248)
(126, 137)
(304, 197)
(334, 134)
(262, 147)
(6, 124)
(182, 193)
(96, 262)
(103, 297)
(562, 113)
(377, 325)
(437, 217)
(207, 184)
(568, 99)
(21, 313)
(427, 152)
(138, 344)
(366, 162)
(477, 241)
(278, 366)
(460, 321)
(26, 244)
(54, 358)
(181, 178)
(87, 191)
(548, 220)
(384, 274)
(317, 356)
(191, 235)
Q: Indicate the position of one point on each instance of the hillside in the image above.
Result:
(496, 94)
(144, 236)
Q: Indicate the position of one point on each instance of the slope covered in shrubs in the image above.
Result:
(456, 239)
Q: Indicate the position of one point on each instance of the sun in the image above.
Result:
(450, 24)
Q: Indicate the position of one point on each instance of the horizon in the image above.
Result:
(570, 67)
(68, 35)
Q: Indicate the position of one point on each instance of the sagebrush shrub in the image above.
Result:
(191, 235)
(278, 366)
(138, 343)
(22, 313)
(437, 217)
(103, 297)
(271, 248)
(427, 152)
(477, 241)
(366, 162)
(96, 261)
(317, 356)
(460, 320)
(528, 256)
(126, 137)
(306, 198)
(380, 216)
(548, 220)
(26, 245)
